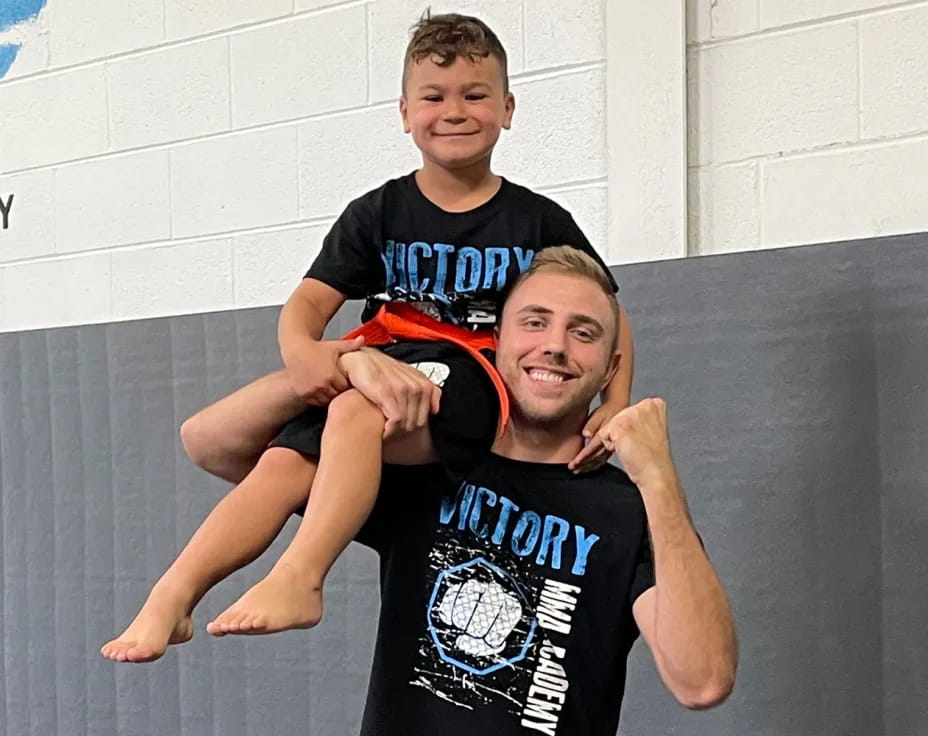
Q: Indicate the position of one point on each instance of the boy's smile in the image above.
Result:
(455, 113)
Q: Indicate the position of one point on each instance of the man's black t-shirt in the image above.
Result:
(394, 244)
(506, 603)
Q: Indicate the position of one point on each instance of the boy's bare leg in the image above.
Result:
(344, 491)
(239, 529)
(227, 437)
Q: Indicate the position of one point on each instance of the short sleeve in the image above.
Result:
(392, 518)
(374, 532)
(350, 260)
(643, 576)
(559, 228)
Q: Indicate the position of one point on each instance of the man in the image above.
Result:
(510, 602)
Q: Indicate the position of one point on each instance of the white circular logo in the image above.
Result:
(437, 373)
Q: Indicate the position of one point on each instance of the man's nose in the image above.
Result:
(555, 345)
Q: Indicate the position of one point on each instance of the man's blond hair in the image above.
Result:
(573, 262)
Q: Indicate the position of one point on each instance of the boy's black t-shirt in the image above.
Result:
(394, 244)
(506, 603)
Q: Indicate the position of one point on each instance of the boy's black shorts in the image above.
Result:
(465, 425)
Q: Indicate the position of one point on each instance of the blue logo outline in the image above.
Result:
(432, 629)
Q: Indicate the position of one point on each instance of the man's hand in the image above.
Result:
(314, 370)
(638, 435)
(595, 453)
(404, 395)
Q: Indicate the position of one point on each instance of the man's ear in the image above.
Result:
(614, 361)
(496, 337)
(404, 114)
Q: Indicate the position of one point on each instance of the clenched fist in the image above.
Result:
(638, 436)
(484, 612)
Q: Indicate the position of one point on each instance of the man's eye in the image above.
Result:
(534, 323)
(585, 335)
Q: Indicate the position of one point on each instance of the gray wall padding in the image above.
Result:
(799, 408)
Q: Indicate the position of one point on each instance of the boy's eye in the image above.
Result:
(432, 98)
(476, 96)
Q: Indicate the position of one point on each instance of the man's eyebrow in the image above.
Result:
(585, 319)
(579, 318)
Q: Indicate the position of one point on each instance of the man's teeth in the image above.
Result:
(546, 377)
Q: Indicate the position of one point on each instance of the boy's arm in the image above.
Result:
(348, 266)
(560, 228)
(311, 362)
(615, 397)
(618, 393)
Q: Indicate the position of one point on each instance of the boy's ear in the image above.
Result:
(404, 114)
(510, 110)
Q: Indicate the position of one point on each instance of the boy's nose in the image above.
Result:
(454, 112)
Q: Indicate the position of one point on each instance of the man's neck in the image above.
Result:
(557, 443)
(458, 190)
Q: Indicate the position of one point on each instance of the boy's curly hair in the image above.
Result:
(450, 35)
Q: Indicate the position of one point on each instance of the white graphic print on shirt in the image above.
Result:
(498, 619)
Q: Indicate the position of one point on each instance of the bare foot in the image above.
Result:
(163, 620)
(285, 599)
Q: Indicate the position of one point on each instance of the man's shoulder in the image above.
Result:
(608, 479)
(613, 483)
(432, 476)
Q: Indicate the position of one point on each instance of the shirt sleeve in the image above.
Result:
(370, 535)
(384, 518)
(393, 517)
(644, 568)
(559, 228)
(350, 260)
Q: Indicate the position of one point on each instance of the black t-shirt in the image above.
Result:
(506, 603)
(394, 244)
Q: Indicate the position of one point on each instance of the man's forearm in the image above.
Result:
(694, 628)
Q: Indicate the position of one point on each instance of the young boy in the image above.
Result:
(431, 252)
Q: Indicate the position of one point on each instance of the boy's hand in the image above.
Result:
(404, 395)
(595, 454)
(314, 370)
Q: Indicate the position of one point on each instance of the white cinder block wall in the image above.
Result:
(808, 121)
(176, 156)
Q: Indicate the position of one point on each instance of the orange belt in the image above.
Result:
(399, 321)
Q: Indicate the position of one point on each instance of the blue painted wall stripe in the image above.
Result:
(7, 57)
(17, 11)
